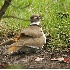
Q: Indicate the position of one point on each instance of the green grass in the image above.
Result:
(16, 66)
(58, 27)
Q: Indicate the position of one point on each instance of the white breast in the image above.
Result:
(43, 36)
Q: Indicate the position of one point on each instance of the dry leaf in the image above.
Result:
(66, 60)
(54, 59)
(39, 59)
(60, 59)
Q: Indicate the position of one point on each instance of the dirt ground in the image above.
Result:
(40, 60)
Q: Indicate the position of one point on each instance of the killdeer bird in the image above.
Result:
(32, 37)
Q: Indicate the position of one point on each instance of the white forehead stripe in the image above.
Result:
(35, 17)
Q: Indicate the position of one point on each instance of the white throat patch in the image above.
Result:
(37, 23)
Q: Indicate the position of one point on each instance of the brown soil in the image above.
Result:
(27, 61)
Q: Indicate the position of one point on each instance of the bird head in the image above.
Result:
(35, 19)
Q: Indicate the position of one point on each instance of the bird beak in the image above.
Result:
(40, 17)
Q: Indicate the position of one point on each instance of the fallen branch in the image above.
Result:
(4, 7)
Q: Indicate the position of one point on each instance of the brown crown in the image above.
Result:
(34, 18)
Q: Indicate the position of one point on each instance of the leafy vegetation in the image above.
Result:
(55, 18)
(16, 66)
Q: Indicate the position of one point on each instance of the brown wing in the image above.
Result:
(30, 42)
(33, 31)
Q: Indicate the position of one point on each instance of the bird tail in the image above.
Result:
(11, 50)
(19, 49)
